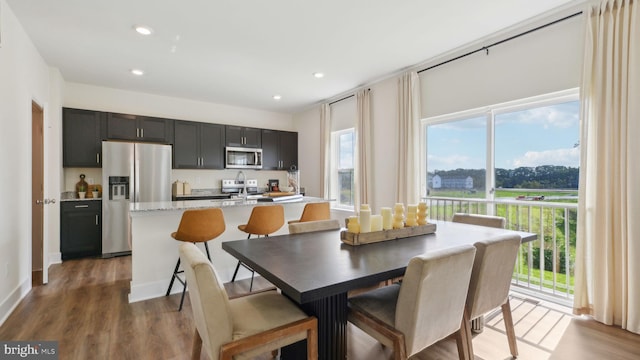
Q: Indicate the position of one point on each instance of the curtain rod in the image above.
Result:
(486, 48)
(345, 98)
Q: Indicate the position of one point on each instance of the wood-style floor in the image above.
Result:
(85, 308)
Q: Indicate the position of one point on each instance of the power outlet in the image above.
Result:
(198, 179)
(90, 181)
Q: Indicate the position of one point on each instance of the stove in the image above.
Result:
(235, 186)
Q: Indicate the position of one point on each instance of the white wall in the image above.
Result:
(25, 78)
(541, 62)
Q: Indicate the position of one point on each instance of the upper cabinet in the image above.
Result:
(198, 145)
(238, 136)
(82, 138)
(279, 150)
(139, 128)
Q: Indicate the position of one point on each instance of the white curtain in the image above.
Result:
(408, 189)
(325, 149)
(607, 283)
(363, 149)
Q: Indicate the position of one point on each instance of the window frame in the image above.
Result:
(490, 112)
(334, 189)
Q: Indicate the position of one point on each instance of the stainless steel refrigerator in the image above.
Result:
(131, 172)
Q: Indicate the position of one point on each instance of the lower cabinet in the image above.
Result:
(80, 229)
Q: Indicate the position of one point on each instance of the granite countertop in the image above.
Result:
(90, 199)
(203, 204)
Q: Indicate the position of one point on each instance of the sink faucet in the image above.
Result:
(244, 183)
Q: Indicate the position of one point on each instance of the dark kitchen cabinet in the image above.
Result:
(80, 229)
(238, 136)
(82, 138)
(198, 145)
(139, 128)
(279, 150)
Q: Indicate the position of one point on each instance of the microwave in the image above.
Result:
(243, 158)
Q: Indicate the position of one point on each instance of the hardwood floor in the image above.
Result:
(85, 308)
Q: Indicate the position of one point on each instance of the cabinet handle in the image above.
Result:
(142, 132)
(202, 161)
(97, 158)
(97, 222)
(137, 132)
(81, 206)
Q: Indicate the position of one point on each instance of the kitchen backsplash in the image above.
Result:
(198, 179)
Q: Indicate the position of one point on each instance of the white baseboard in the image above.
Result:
(13, 299)
(55, 258)
(152, 290)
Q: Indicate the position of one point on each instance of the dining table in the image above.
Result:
(317, 270)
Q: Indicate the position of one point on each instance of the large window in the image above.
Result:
(342, 177)
(526, 149)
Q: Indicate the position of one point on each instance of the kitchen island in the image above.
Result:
(154, 252)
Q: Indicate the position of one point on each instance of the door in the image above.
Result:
(37, 194)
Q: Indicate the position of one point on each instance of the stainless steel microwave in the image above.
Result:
(243, 158)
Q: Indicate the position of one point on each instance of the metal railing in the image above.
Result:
(546, 265)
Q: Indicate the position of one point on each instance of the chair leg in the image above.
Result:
(236, 272)
(206, 247)
(184, 290)
(196, 348)
(175, 272)
(464, 338)
(508, 325)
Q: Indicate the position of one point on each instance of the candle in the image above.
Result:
(353, 226)
(365, 221)
(376, 223)
(365, 207)
(387, 218)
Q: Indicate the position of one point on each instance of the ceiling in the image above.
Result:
(243, 52)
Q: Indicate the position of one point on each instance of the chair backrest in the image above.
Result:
(209, 300)
(492, 272)
(315, 212)
(200, 225)
(482, 220)
(265, 220)
(309, 226)
(432, 296)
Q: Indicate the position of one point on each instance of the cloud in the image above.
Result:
(562, 157)
(453, 161)
(554, 116)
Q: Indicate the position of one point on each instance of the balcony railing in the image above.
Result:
(549, 271)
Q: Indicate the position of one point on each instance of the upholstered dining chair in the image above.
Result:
(197, 225)
(427, 307)
(264, 220)
(310, 226)
(314, 212)
(489, 285)
(482, 220)
(242, 327)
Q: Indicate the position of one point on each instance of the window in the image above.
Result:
(342, 162)
(522, 149)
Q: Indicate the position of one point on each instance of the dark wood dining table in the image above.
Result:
(316, 270)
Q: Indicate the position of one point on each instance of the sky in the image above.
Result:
(542, 136)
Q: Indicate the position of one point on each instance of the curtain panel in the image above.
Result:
(607, 282)
(408, 138)
(325, 149)
(363, 149)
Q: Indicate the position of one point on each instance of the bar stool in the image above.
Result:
(264, 220)
(314, 212)
(196, 226)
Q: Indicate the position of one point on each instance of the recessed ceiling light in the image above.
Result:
(318, 75)
(137, 72)
(143, 30)
(277, 97)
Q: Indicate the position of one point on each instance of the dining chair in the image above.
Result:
(310, 226)
(482, 220)
(198, 225)
(242, 327)
(264, 220)
(489, 286)
(314, 212)
(425, 308)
